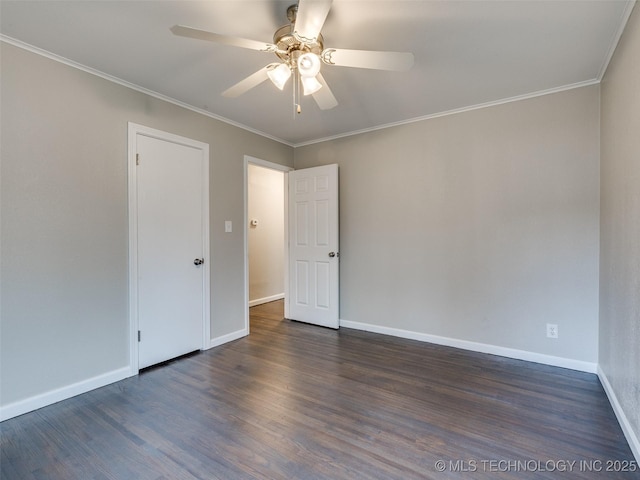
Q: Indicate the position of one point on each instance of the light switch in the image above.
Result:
(228, 226)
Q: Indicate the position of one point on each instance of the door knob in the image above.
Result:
(333, 254)
(198, 261)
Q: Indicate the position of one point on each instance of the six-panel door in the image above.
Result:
(313, 246)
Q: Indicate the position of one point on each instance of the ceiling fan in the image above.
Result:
(300, 49)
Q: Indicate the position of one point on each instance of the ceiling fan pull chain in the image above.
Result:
(296, 93)
(298, 85)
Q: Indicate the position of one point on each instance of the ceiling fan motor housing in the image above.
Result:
(289, 48)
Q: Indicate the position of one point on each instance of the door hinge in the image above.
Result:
(139, 335)
(137, 159)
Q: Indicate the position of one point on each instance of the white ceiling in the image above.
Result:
(467, 53)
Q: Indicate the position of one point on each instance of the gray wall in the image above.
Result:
(64, 232)
(620, 224)
(481, 226)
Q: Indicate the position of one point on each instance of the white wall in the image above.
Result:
(64, 313)
(480, 227)
(620, 230)
(266, 240)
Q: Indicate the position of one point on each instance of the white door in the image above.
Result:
(170, 248)
(313, 246)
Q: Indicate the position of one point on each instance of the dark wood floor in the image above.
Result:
(293, 401)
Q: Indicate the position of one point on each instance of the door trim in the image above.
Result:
(245, 231)
(133, 131)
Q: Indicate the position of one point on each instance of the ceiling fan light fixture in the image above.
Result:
(279, 75)
(299, 46)
(310, 85)
(309, 65)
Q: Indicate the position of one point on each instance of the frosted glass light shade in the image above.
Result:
(279, 75)
(309, 65)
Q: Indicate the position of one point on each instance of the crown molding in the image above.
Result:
(133, 86)
(624, 18)
(517, 98)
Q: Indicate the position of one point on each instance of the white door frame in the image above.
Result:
(281, 168)
(134, 130)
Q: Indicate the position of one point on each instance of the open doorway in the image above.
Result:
(265, 209)
(266, 272)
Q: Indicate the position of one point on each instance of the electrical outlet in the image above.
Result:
(552, 330)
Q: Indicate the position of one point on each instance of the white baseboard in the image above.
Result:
(630, 435)
(476, 347)
(42, 400)
(229, 337)
(260, 301)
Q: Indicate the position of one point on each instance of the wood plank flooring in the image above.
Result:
(294, 401)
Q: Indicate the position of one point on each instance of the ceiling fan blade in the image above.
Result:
(248, 83)
(190, 32)
(324, 97)
(396, 61)
(310, 19)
